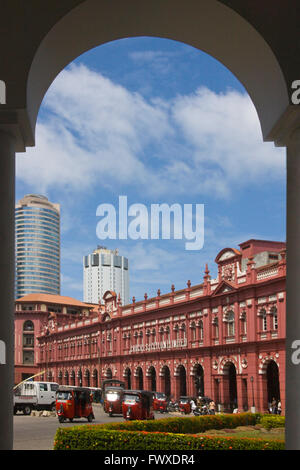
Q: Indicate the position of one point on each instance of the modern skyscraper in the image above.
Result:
(37, 246)
(105, 270)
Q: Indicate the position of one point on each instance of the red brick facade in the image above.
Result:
(224, 338)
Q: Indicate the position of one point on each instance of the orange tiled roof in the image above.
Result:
(53, 299)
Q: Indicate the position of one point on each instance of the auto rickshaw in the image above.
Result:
(137, 404)
(74, 402)
(185, 405)
(160, 402)
(113, 396)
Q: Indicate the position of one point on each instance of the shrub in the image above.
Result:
(164, 434)
(192, 425)
(272, 421)
(97, 438)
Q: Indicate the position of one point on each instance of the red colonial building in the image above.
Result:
(31, 316)
(223, 338)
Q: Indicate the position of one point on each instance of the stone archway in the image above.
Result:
(181, 382)
(230, 397)
(66, 378)
(60, 377)
(76, 26)
(196, 25)
(72, 377)
(151, 379)
(87, 379)
(198, 380)
(270, 383)
(272, 377)
(95, 378)
(165, 375)
(127, 378)
(139, 378)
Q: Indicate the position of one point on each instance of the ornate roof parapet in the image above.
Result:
(282, 263)
(188, 289)
(251, 272)
(172, 293)
(206, 283)
(157, 297)
(232, 275)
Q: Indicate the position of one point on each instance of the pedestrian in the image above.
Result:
(274, 406)
(212, 407)
(193, 405)
(279, 408)
(269, 407)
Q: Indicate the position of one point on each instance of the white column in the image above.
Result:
(293, 294)
(7, 269)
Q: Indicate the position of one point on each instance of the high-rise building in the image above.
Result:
(105, 270)
(37, 246)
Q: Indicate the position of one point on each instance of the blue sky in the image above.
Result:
(159, 122)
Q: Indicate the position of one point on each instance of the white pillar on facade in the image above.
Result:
(7, 268)
(293, 294)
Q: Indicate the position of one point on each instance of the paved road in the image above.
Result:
(37, 432)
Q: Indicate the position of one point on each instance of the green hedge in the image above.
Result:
(192, 425)
(165, 434)
(272, 421)
(96, 438)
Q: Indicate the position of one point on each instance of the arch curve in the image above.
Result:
(203, 25)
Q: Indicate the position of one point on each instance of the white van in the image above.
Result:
(31, 395)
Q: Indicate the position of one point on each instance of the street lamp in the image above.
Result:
(253, 404)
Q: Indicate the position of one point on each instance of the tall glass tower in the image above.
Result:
(37, 246)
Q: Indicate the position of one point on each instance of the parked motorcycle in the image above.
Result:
(200, 411)
(173, 406)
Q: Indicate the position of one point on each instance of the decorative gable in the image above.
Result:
(110, 301)
(223, 288)
(226, 255)
(228, 261)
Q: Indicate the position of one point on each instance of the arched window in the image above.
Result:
(275, 318)
(216, 327)
(263, 314)
(141, 337)
(167, 331)
(230, 324)
(109, 341)
(176, 331)
(148, 333)
(201, 331)
(28, 326)
(193, 330)
(243, 319)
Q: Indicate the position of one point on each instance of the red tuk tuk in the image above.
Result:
(185, 405)
(137, 404)
(73, 402)
(160, 402)
(113, 396)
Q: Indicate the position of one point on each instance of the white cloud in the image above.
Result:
(98, 133)
(225, 138)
